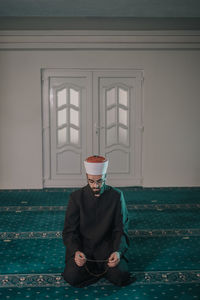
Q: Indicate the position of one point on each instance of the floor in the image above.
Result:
(164, 231)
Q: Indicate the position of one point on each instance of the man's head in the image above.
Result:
(96, 168)
(97, 183)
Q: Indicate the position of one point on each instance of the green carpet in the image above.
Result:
(147, 254)
(136, 195)
(164, 231)
(96, 292)
(20, 220)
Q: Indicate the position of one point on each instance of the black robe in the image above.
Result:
(96, 226)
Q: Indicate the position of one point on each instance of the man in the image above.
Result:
(96, 230)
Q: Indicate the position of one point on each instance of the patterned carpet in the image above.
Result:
(164, 231)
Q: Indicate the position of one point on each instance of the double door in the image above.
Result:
(88, 112)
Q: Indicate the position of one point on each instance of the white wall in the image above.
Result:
(171, 144)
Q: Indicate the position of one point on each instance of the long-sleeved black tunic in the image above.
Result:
(98, 224)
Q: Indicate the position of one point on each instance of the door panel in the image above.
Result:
(69, 127)
(120, 113)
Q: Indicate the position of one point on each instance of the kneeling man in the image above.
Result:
(96, 230)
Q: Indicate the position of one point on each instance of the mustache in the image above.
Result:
(97, 191)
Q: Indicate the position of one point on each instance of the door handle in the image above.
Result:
(97, 128)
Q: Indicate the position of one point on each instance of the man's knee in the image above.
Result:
(119, 275)
(119, 279)
(72, 276)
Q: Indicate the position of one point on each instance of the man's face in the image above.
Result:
(96, 182)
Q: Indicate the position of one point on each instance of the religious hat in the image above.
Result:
(96, 165)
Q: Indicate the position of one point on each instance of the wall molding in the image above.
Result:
(145, 22)
(99, 40)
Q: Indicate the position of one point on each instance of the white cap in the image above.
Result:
(96, 165)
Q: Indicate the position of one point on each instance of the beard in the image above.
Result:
(96, 192)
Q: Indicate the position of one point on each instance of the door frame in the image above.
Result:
(46, 155)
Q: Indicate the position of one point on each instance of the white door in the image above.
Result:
(120, 136)
(67, 118)
(88, 112)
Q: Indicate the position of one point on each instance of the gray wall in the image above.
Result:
(100, 15)
(103, 8)
(171, 144)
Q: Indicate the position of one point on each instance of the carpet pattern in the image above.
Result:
(164, 232)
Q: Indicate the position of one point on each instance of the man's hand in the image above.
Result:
(80, 258)
(114, 259)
